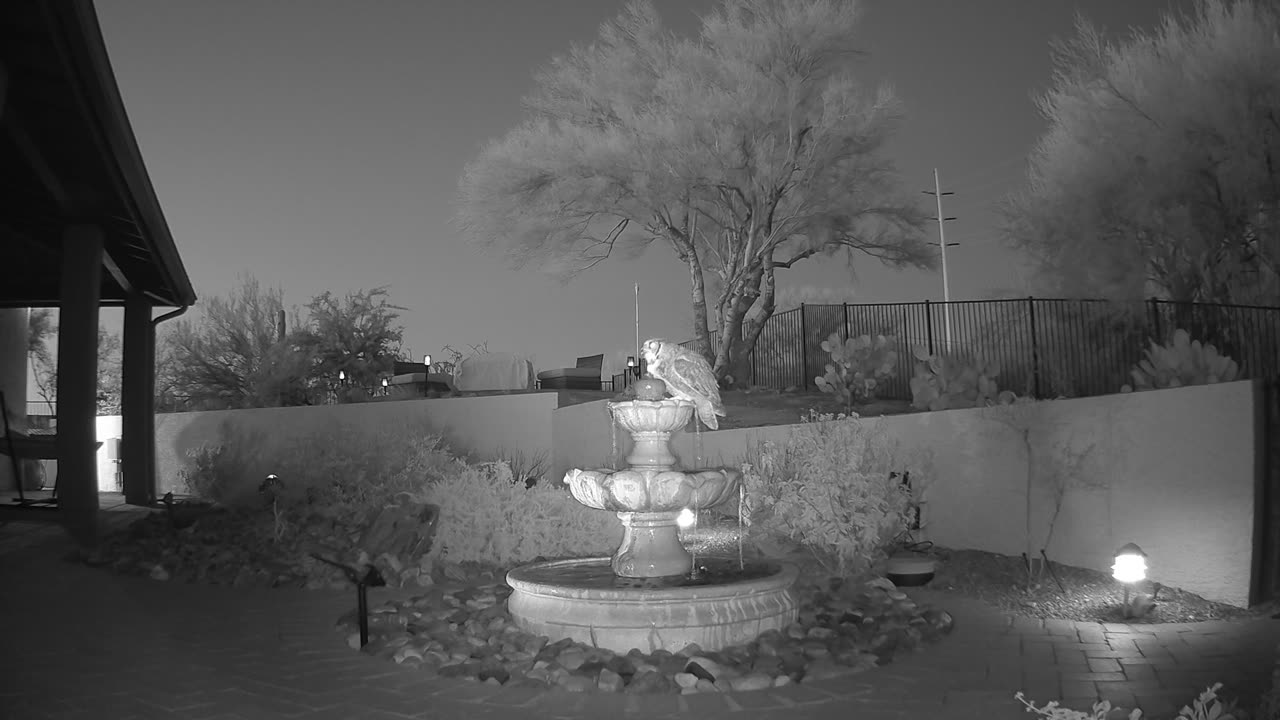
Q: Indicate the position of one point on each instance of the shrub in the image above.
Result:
(488, 518)
(1205, 707)
(338, 470)
(210, 472)
(829, 487)
(957, 381)
(858, 365)
(1182, 362)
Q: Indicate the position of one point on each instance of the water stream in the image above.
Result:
(613, 454)
(693, 551)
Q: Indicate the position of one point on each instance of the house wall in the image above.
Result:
(1170, 470)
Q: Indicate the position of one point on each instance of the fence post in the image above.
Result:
(928, 325)
(1155, 321)
(1035, 351)
(804, 351)
(847, 331)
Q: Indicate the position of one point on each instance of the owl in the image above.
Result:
(687, 376)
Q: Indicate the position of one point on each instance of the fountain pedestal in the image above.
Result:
(650, 546)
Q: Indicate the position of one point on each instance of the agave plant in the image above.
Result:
(1182, 362)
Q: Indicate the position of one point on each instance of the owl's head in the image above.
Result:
(651, 348)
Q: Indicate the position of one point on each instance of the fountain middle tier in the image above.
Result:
(648, 502)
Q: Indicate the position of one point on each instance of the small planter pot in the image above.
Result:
(910, 569)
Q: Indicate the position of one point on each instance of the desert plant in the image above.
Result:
(210, 474)
(830, 487)
(944, 383)
(1205, 707)
(857, 367)
(1181, 362)
(486, 517)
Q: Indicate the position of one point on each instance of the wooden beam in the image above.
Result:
(117, 274)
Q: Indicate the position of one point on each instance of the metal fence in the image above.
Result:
(1043, 347)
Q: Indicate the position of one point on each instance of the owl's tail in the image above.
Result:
(707, 414)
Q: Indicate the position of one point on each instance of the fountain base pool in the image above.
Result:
(583, 600)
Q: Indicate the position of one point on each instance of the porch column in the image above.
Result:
(137, 403)
(81, 285)
(13, 380)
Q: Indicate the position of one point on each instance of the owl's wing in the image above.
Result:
(694, 373)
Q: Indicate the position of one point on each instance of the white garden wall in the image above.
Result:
(1170, 470)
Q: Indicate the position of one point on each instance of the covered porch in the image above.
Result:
(81, 230)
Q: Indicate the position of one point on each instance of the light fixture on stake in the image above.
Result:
(631, 369)
(1130, 567)
(384, 386)
(426, 360)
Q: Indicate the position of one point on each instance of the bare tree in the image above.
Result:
(228, 356)
(745, 150)
(1160, 171)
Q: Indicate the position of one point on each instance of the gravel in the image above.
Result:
(1085, 595)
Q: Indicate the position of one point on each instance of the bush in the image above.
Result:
(340, 469)
(1181, 362)
(1205, 707)
(957, 381)
(858, 366)
(829, 487)
(487, 517)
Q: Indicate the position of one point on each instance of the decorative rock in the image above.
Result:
(752, 681)
(609, 681)
(577, 683)
(649, 683)
(704, 668)
(685, 680)
(572, 659)
(159, 573)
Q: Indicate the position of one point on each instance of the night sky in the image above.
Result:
(318, 146)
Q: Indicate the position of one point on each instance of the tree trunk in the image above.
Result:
(698, 291)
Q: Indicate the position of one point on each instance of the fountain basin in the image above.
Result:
(582, 599)
(652, 490)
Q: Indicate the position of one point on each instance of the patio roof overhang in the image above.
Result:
(68, 156)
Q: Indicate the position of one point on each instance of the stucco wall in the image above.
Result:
(488, 427)
(1170, 470)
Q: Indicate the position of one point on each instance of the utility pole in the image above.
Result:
(942, 243)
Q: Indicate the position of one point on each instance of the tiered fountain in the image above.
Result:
(652, 594)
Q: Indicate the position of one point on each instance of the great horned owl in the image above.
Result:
(687, 376)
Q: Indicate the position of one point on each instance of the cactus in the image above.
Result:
(1182, 362)
(942, 383)
(857, 367)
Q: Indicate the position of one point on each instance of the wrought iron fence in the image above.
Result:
(1044, 347)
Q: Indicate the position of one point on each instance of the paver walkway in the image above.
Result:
(82, 643)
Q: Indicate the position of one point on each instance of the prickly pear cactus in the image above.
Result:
(1182, 362)
(858, 366)
(945, 383)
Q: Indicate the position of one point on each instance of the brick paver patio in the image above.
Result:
(82, 643)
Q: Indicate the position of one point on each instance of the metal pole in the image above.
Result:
(804, 351)
(942, 242)
(639, 357)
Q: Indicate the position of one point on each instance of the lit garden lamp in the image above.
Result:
(1130, 568)
(384, 386)
(426, 360)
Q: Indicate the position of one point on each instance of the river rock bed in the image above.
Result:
(844, 627)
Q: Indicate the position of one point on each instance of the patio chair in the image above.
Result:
(584, 376)
(27, 447)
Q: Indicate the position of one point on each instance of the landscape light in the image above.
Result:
(426, 360)
(685, 518)
(342, 376)
(631, 361)
(1131, 564)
